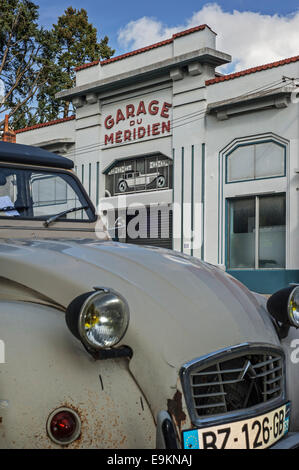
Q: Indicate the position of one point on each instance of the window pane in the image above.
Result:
(242, 233)
(52, 194)
(269, 160)
(39, 194)
(272, 231)
(8, 186)
(240, 164)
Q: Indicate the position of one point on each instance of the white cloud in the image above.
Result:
(251, 38)
(143, 32)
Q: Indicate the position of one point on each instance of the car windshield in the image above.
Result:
(39, 194)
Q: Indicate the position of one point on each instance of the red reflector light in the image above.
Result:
(64, 426)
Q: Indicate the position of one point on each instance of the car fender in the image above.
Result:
(291, 349)
(47, 368)
(290, 345)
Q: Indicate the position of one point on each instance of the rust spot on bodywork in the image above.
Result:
(175, 408)
(95, 431)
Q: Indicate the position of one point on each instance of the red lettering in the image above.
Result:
(155, 128)
(119, 116)
(134, 134)
(109, 139)
(164, 110)
(130, 109)
(148, 130)
(152, 109)
(109, 122)
(118, 139)
(165, 127)
(141, 108)
(127, 135)
(141, 132)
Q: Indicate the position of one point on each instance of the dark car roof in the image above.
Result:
(19, 153)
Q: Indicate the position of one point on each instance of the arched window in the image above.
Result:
(255, 161)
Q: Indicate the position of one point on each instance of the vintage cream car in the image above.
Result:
(108, 345)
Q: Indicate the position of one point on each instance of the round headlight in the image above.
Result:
(293, 307)
(99, 319)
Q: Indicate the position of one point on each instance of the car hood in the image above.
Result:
(180, 307)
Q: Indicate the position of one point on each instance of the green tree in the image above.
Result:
(75, 42)
(35, 64)
(26, 59)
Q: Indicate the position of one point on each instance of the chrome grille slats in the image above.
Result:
(273, 380)
(222, 372)
(264, 374)
(270, 392)
(231, 383)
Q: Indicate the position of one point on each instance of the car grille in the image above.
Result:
(234, 381)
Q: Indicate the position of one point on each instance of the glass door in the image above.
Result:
(257, 232)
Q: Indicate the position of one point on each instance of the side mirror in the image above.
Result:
(283, 305)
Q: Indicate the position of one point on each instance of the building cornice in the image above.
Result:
(274, 98)
(144, 49)
(204, 55)
(245, 72)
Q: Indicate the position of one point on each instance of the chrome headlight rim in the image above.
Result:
(101, 293)
(292, 320)
(76, 314)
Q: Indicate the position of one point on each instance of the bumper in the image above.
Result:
(291, 441)
(166, 436)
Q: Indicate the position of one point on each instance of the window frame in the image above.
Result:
(92, 216)
(256, 198)
(254, 143)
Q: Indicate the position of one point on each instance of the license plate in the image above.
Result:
(259, 432)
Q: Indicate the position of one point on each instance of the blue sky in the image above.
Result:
(110, 16)
(253, 32)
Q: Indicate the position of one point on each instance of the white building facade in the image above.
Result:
(190, 160)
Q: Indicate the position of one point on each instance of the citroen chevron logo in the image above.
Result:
(248, 370)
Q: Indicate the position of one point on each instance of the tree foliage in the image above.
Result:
(25, 57)
(35, 63)
(75, 41)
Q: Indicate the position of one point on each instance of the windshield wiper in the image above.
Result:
(52, 219)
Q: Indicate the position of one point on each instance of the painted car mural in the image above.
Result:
(134, 179)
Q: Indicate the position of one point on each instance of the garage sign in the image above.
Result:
(136, 121)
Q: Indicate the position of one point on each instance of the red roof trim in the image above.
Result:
(45, 124)
(129, 54)
(252, 70)
(144, 49)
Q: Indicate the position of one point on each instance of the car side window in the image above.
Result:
(8, 187)
(51, 194)
(41, 194)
